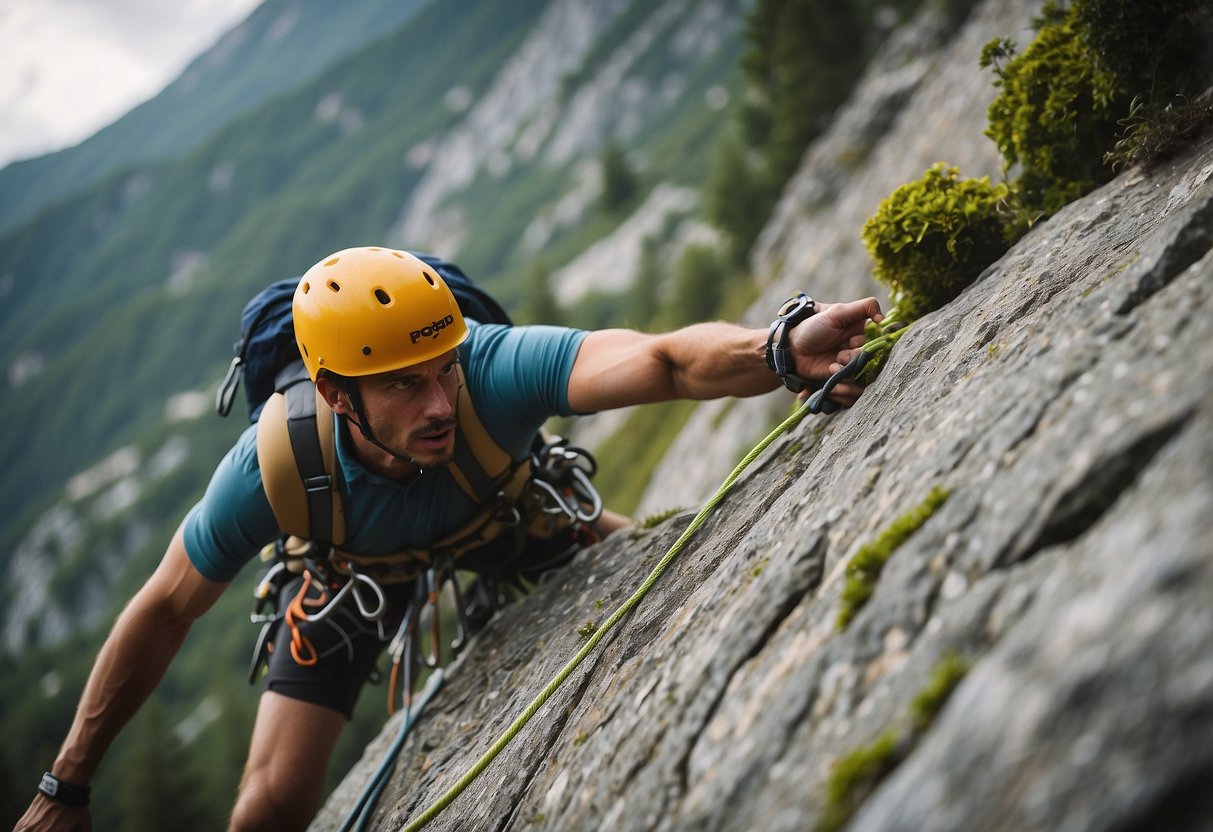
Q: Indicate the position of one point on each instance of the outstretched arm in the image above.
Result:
(620, 367)
(131, 663)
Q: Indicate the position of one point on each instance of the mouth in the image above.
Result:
(438, 440)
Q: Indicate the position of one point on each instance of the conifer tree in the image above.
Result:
(539, 305)
(643, 296)
(158, 790)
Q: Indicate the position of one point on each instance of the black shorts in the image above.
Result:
(347, 647)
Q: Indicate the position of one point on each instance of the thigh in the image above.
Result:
(284, 777)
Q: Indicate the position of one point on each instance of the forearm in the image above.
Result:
(621, 367)
(711, 360)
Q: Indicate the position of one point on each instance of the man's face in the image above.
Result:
(412, 410)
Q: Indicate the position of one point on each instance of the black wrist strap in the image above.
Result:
(62, 791)
(779, 358)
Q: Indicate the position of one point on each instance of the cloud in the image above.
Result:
(69, 67)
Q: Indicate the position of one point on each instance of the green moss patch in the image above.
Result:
(866, 564)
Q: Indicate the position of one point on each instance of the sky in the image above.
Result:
(70, 67)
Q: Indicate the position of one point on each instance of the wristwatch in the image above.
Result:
(62, 791)
(779, 357)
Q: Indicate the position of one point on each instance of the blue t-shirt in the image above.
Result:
(517, 377)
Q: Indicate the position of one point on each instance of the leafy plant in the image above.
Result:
(1091, 63)
(932, 237)
(1054, 117)
(1149, 137)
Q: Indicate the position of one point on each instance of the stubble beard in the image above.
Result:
(420, 456)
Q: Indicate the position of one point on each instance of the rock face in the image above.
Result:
(923, 100)
(1066, 403)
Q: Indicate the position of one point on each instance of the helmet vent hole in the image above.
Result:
(366, 350)
(306, 354)
(429, 278)
(383, 297)
(332, 262)
(397, 255)
(334, 286)
(305, 287)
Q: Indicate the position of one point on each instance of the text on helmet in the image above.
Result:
(432, 329)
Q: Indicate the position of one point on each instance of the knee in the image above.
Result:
(273, 804)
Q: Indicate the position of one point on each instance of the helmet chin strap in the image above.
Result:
(350, 387)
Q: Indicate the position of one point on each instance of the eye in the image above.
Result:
(402, 384)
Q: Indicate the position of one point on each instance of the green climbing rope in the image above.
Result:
(552, 686)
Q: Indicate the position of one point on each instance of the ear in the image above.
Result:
(337, 401)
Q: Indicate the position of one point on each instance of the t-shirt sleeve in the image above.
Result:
(233, 520)
(519, 377)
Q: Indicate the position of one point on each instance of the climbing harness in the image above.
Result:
(480, 765)
(558, 497)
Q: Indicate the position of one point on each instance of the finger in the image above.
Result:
(857, 341)
(845, 357)
(847, 390)
(844, 400)
(856, 311)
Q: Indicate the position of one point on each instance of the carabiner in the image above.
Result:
(593, 498)
(556, 504)
(818, 402)
(369, 614)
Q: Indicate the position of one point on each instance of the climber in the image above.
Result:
(388, 350)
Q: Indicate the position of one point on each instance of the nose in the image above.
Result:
(439, 402)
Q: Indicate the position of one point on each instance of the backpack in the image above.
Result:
(296, 449)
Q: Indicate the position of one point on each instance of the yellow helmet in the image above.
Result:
(369, 310)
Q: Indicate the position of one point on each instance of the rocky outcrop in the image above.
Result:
(923, 100)
(1065, 403)
(527, 112)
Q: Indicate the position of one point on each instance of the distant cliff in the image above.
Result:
(1060, 593)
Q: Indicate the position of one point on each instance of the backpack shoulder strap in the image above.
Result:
(482, 468)
(297, 456)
